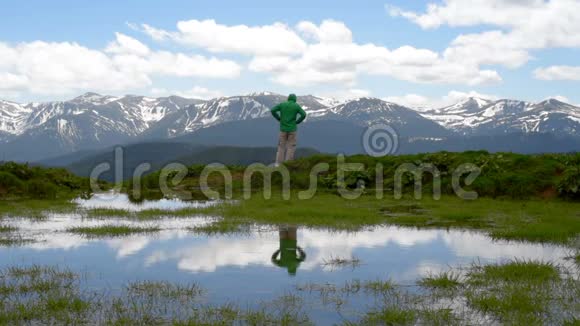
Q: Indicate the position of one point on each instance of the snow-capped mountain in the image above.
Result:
(40, 130)
(88, 121)
(226, 109)
(367, 111)
(13, 118)
(549, 116)
(93, 99)
(476, 116)
(459, 116)
(136, 112)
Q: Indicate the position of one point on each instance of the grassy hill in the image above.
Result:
(24, 181)
(503, 175)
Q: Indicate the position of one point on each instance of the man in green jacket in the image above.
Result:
(290, 114)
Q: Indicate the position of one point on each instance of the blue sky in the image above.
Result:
(398, 50)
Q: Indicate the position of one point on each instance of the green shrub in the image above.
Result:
(569, 185)
(21, 171)
(9, 183)
(40, 189)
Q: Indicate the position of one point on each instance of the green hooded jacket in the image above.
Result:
(287, 113)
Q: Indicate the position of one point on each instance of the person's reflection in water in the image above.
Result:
(289, 255)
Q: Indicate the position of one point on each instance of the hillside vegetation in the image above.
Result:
(24, 181)
(503, 175)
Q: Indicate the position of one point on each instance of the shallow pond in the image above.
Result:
(258, 265)
(112, 200)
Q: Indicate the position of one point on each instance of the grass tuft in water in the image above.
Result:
(13, 241)
(165, 290)
(221, 227)
(379, 286)
(107, 212)
(515, 292)
(9, 239)
(48, 295)
(513, 303)
(113, 230)
(7, 228)
(514, 271)
(341, 262)
(443, 281)
(35, 208)
(390, 316)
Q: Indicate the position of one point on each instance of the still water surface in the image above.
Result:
(256, 266)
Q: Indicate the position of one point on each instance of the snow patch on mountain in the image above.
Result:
(13, 118)
(92, 120)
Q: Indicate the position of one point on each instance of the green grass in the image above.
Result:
(444, 281)
(547, 182)
(19, 181)
(515, 292)
(106, 212)
(378, 286)
(390, 316)
(516, 271)
(513, 305)
(545, 221)
(439, 317)
(533, 220)
(51, 295)
(37, 272)
(112, 230)
(221, 227)
(7, 228)
(35, 208)
(165, 289)
(41, 295)
(323, 211)
(13, 240)
(144, 215)
(341, 262)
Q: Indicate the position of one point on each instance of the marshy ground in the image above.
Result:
(516, 292)
(368, 261)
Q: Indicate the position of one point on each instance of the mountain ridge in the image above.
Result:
(33, 131)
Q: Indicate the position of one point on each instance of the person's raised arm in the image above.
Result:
(276, 112)
(302, 115)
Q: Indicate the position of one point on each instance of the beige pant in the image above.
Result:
(286, 146)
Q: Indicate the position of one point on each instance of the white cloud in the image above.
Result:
(424, 102)
(327, 54)
(330, 31)
(488, 48)
(275, 39)
(197, 92)
(127, 45)
(475, 12)
(410, 100)
(558, 73)
(60, 68)
(12, 81)
(348, 94)
(525, 25)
